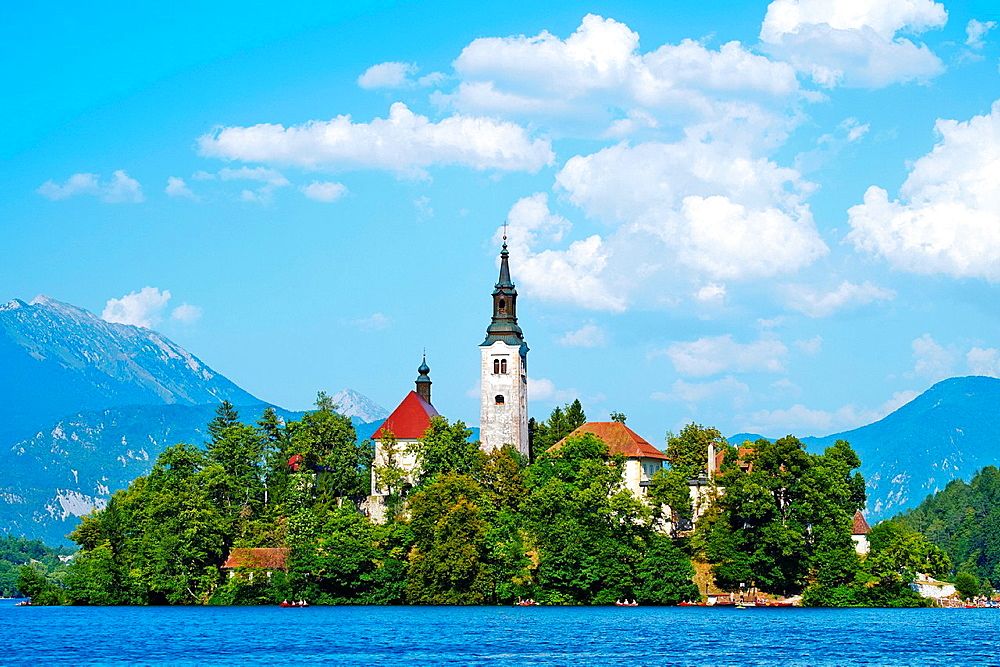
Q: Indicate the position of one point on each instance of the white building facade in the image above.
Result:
(503, 416)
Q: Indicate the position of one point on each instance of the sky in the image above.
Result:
(770, 217)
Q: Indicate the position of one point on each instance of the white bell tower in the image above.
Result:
(504, 372)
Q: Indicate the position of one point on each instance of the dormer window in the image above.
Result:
(499, 399)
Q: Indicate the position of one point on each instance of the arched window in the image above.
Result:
(496, 367)
(502, 306)
(503, 366)
(499, 399)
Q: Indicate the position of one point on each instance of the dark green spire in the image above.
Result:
(503, 325)
(423, 381)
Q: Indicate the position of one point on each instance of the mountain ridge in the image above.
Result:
(949, 431)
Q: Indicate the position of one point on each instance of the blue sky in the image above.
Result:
(778, 217)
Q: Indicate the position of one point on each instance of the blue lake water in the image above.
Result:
(497, 636)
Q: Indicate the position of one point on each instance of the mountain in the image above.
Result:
(948, 432)
(58, 359)
(86, 406)
(355, 404)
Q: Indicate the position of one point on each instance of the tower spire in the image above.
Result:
(423, 380)
(503, 326)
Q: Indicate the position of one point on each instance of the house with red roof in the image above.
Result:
(248, 561)
(859, 533)
(642, 459)
(396, 438)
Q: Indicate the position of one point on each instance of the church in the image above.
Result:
(503, 412)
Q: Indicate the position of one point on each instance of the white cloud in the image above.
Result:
(142, 309)
(589, 335)
(931, 359)
(324, 191)
(975, 32)
(947, 217)
(854, 43)
(374, 322)
(718, 354)
(597, 78)
(186, 313)
(388, 75)
(810, 345)
(984, 361)
(395, 75)
(545, 390)
(816, 303)
(696, 392)
(122, 188)
(803, 420)
(570, 275)
(176, 187)
(424, 208)
(711, 293)
(711, 208)
(404, 143)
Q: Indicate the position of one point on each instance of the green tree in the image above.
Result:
(619, 417)
(665, 574)
(687, 452)
(967, 585)
(445, 448)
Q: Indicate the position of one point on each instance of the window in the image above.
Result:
(499, 366)
(502, 306)
(503, 366)
(496, 367)
(499, 399)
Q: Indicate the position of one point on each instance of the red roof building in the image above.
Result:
(258, 559)
(619, 438)
(410, 420)
(860, 526)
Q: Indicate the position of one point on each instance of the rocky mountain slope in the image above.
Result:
(86, 406)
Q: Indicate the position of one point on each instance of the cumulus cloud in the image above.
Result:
(711, 293)
(803, 420)
(186, 313)
(122, 188)
(142, 309)
(975, 33)
(545, 390)
(598, 77)
(324, 191)
(573, 274)
(984, 361)
(387, 75)
(697, 392)
(718, 354)
(931, 360)
(713, 209)
(947, 217)
(856, 43)
(176, 187)
(405, 143)
(589, 335)
(810, 345)
(818, 303)
(395, 75)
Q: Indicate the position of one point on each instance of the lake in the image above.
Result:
(497, 636)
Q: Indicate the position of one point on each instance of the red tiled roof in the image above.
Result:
(410, 420)
(619, 438)
(860, 525)
(258, 559)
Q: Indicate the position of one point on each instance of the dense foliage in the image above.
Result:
(469, 528)
(963, 519)
(16, 552)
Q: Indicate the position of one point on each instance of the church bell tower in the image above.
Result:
(504, 371)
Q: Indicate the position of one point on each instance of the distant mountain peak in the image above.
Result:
(13, 304)
(352, 403)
